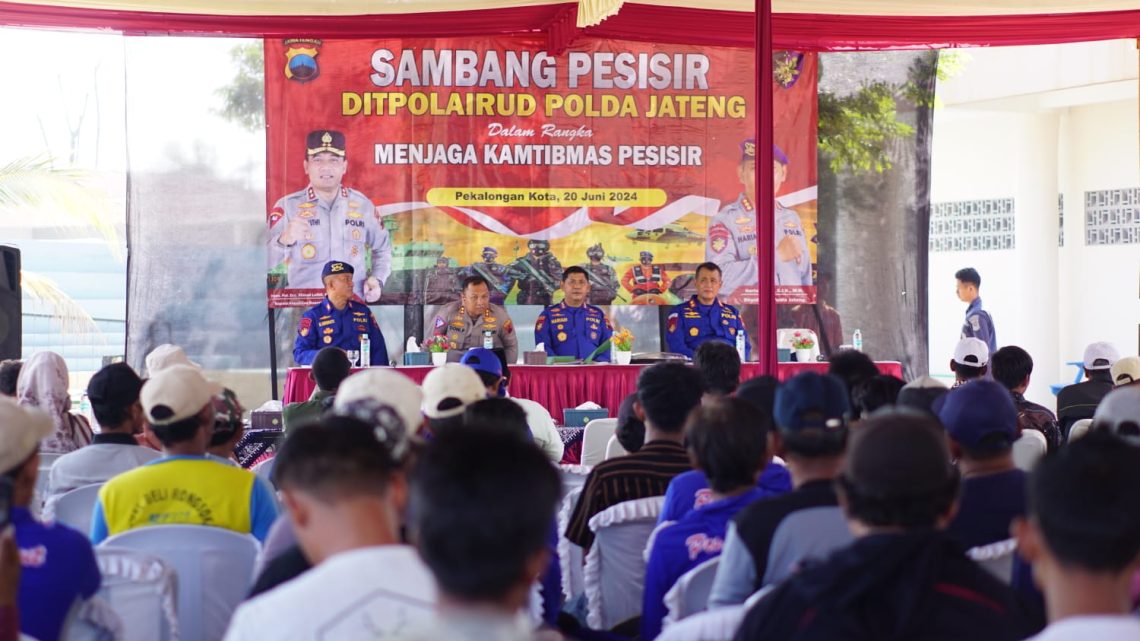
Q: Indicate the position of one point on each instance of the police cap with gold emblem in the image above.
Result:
(748, 149)
(336, 267)
(324, 140)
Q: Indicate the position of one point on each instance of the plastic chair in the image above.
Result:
(690, 594)
(614, 448)
(571, 556)
(1079, 429)
(615, 566)
(996, 558)
(1029, 449)
(143, 590)
(214, 566)
(74, 508)
(594, 439)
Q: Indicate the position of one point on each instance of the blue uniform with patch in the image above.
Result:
(979, 325)
(691, 323)
(326, 326)
(572, 331)
(682, 546)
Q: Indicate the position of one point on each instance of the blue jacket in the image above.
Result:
(682, 546)
(58, 567)
(979, 325)
(691, 323)
(326, 326)
(572, 331)
(689, 491)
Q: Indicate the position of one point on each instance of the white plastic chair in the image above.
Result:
(784, 339)
(996, 558)
(690, 594)
(718, 624)
(214, 566)
(573, 477)
(615, 566)
(74, 508)
(594, 439)
(1079, 429)
(614, 448)
(1029, 449)
(143, 590)
(571, 556)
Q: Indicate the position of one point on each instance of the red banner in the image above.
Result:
(421, 161)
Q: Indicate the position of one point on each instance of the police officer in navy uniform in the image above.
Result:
(328, 221)
(338, 320)
(573, 328)
(703, 317)
(978, 322)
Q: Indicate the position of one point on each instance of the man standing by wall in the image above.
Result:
(978, 322)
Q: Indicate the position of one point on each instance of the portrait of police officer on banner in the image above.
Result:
(338, 320)
(327, 221)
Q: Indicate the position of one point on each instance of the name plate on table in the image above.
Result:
(579, 418)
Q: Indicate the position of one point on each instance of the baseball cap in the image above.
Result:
(811, 400)
(167, 355)
(921, 394)
(483, 360)
(452, 386)
(980, 416)
(897, 455)
(1119, 412)
(1100, 355)
(1126, 371)
(176, 393)
(116, 385)
(23, 429)
(386, 386)
(972, 352)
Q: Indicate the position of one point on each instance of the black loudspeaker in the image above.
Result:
(11, 325)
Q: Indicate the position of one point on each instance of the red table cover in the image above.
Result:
(559, 387)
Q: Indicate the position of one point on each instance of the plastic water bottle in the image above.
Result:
(365, 351)
(740, 345)
(857, 340)
(488, 339)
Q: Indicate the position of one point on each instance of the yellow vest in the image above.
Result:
(179, 491)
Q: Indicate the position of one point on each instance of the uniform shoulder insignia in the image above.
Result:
(439, 322)
(508, 327)
(975, 322)
(304, 325)
(672, 322)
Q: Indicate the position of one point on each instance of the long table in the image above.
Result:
(559, 387)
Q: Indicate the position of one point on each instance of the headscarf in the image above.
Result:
(43, 384)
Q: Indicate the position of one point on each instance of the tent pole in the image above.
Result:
(765, 231)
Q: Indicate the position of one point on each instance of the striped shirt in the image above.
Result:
(639, 475)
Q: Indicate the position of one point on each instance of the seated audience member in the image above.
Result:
(719, 365)
(970, 362)
(344, 492)
(1079, 400)
(386, 386)
(447, 390)
(874, 393)
(630, 429)
(498, 413)
(1126, 371)
(921, 394)
(1082, 535)
(191, 488)
(1011, 366)
(852, 367)
(492, 371)
(666, 393)
(981, 422)
(761, 393)
(770, 539)
(228, 428)
(730, 453)
(43, 385)
(9, 586)
(9, 374)
(114, 395)
(902, 577)
(59, 568)
(1119, 413)
(500, 492)
(330, 368)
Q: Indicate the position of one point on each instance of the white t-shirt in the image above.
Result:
(96, 463)
(542, 428)
(377, 592)
(1124, 627)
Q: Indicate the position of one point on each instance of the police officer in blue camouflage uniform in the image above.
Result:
(327, 221)
(978, 323)
(573, 328)
(338, 320)
(703, 317)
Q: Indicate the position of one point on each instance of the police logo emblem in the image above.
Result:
(561, 336)
(694, 331)
(356, 234)
(309, 251)
(301, 59)
(328, 340)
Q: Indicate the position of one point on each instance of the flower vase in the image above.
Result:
(438, 358)
(804, 356)
(622, 357)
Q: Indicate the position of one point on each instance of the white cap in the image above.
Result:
(21, 430)
(1126, 371)
(167, 355)
(386, 386)
(1100, 352)
(451, 381)
(972, 352)
(1120, 406)
(176, 393)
